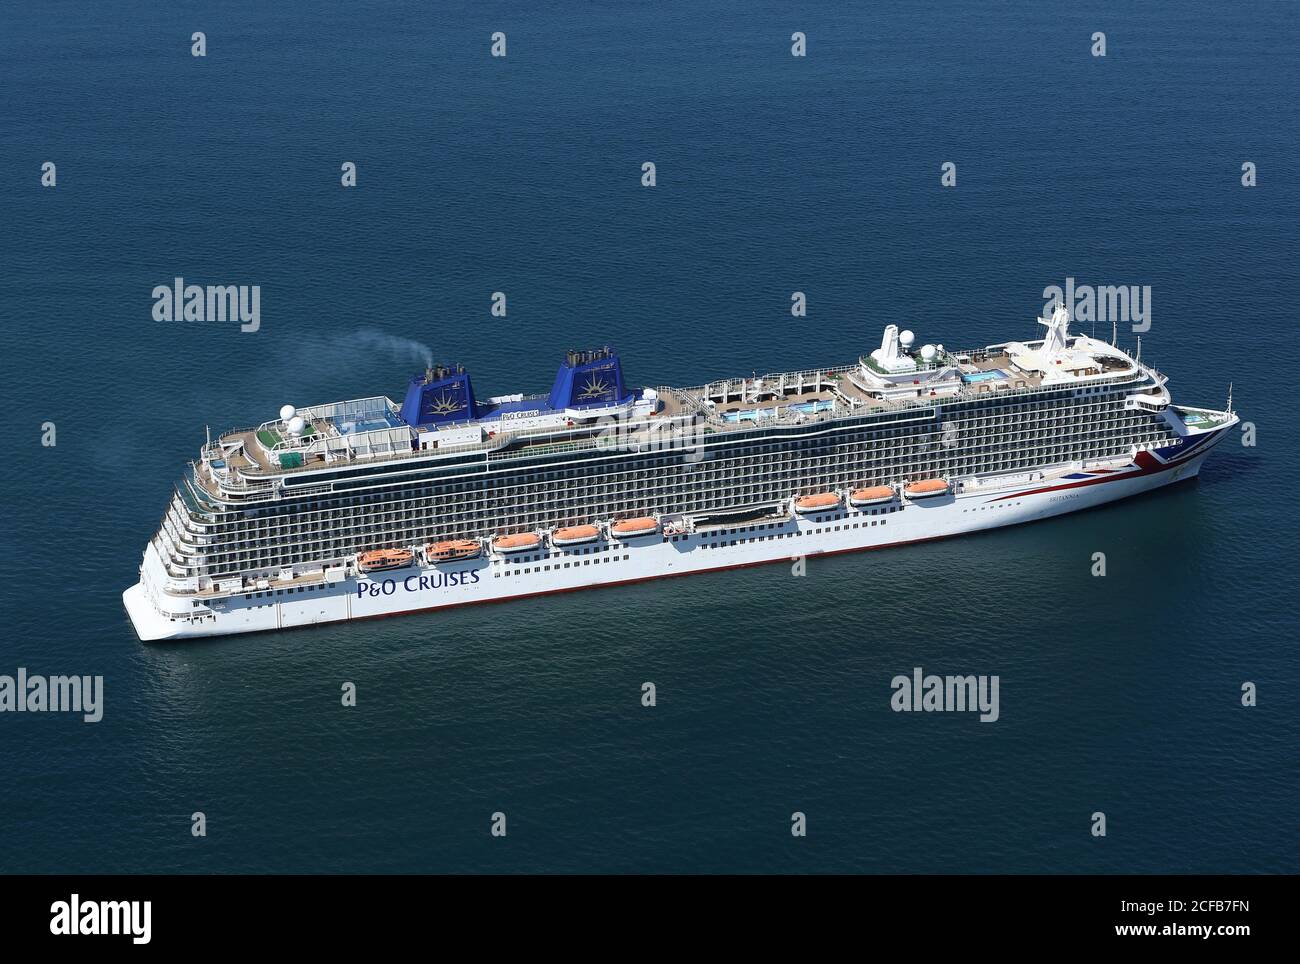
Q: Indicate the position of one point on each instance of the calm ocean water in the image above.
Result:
(775, 174)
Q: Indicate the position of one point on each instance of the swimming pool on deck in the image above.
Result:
(754, 414)
(989, 376)
(367, 422)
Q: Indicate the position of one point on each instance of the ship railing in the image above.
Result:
(690, 405)
(828, 373)
(497, 441)
(782, 413)
(949, 357)
(226, 435)
(924, 409)
(546, 448)
(320, 489)
(246, 480)
(330, 411)
(970, 392)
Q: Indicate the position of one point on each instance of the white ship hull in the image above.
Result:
(982, 503)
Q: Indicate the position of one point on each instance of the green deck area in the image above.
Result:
(270, 438)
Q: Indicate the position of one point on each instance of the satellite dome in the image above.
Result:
(906, 339)
(296, 425)
(287, 412)
(928, 352)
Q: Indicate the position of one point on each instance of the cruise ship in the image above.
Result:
(368, 508)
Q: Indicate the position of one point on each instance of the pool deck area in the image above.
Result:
(792, 398)
(833, 392)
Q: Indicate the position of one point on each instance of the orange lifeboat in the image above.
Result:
(453, 549)
(641, 526)
(377, 560)
(872, 495)
(574, 535)
(927, 488)
(820, 502)
(520, 542)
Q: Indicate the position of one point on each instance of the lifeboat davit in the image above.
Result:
(927, 488)
(574, 535)
(520, 542)
(872, 495)
(641, 526)
(820, 502)
(377, 560)
(452, 550)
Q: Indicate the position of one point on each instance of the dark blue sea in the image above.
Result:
(775, 174)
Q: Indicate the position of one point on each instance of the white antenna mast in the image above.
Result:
(1230, 398)
(1114, 332)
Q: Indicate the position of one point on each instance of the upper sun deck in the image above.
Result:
(250, 462)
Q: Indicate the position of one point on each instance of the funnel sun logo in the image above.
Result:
(445, 404)
(596, 387)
